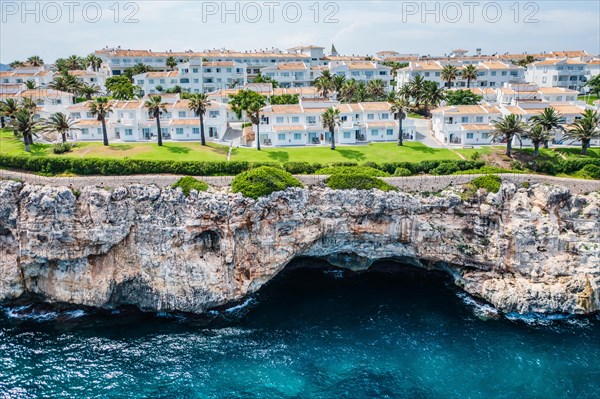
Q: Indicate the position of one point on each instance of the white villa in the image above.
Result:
(289, 74)
(39, 75)
(91, 77)
(569, 73)
(490, 73)
(301, 124)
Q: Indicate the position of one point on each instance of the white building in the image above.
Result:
(39, 75)
(91, 77)
(489, 73)
(223, 74)
(464, 124)
(289, 74)
(570, 73)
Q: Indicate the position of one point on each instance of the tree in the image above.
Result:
(59, 123)
(538, 135)
(30, 85)
(285, 99)
(89, 90)
(35, 61)
(330, 119)
(594, 85)
(415, 89)
(171, 63)
(462, 97)
(449, 73)
(8, 109)
(324, 83)
(526, 61)
(376, 89)
(469, 73)
(74, 62)
(549, 119)
(260, 78)
(121, 88)
(361, 94)
(137, 69)
(27, 102)
(24, 123)
(337, 83)
(67, 83)
(250, 103)
(155, 108)
(100, 108)
(431, 95)
(395, 66)
(16, 64)
(398, 107)
(93, 61)
(198, 103)
(348, 90)
(508, 127)
(585, 129)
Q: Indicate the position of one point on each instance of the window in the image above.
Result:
(181, 114)
(426, 74)
(195, 130)
(213, 114)
(281, 137)
(297, 136)
(559, 98)
(374, 132)
(196, 80)
(295, 119)
(76, 115)
(179, 130)
(88, 115)
(544, 79)
(346, 135)
(140, 82)
(228, 70)
(162, 81)
(464, 119)
(279, 119)
(479, 119)
(164, 130)
(469, 135)
(194, 70)
(390, 132)
(503, 73)
(485, 135)
(370, 117)
(85, 131)
(493, 73)
(437, 73)
(128, 132)
(385, 116)
(184, 80)
(151, 81)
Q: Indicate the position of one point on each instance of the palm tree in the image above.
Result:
(348, 90)
(93, 61)
(337, 83)
(27, 102)
(469, 73)
(100, 108)
(330, 119)
(415, 88)
(398, 107)
(376, 89)
(431, 95)
(74, 62)
(585, 129)
(538, 135)
(198, 103)
(67, 83)
(16, 64)
(324, 84)
(25, 124)
(508, 127)
(361, 94)
(549, 119)
(449, 73)
(30, 85)
(89, 90)
(253, 112)
(59, 123)
(155, 108)
(171, 63)
(35, 60)
(8, 109)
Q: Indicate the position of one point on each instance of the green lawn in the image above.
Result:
(590, 99)
(380, 152)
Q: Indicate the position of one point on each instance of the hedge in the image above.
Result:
(357, 181)
(188, 184)
(363, 170)
(491, 183)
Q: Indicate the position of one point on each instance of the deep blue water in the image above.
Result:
(311, 334)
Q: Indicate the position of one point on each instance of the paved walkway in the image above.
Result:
(411, 183)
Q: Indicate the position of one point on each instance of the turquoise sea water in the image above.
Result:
(311, 334)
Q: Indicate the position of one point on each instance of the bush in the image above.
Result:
(476, 156)
(402, 172)
(263, 181)
(188, 183)
(486, 170)
(491, 183)
(590, 171)
(61, 148)
(446, 168)
(298, 168)
(350, 181)
(363, 170)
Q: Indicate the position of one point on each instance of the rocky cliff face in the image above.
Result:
(522, 250)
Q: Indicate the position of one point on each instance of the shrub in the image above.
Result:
(491, 183)
(446, 168)
(486, 170)
(298, 168)
(590, 171)
(363, 170)
(476, 156)
(402, 172)
(61, 148)
(188, 183)
(350, 181)
(263, 181)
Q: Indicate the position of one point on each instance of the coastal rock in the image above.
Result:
(521, 250)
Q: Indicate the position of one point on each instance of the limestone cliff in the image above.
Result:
(522, 250)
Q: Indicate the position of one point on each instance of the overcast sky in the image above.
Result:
(355, 27)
